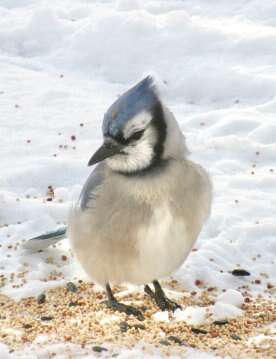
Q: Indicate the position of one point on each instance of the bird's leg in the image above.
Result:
(160, 298)
(113, 303)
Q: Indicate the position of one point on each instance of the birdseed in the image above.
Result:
(100, 327)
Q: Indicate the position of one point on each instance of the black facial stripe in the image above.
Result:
(125, 141)
(119, 138)
(136, 135)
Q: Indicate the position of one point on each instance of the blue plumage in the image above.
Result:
(141, 97)
(45, 240)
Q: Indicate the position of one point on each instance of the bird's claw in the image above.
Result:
(160, 298)
(123, 308)
(165, 303)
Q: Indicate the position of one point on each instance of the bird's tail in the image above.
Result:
(45, 240)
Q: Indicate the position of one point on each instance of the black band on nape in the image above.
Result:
(159, 123)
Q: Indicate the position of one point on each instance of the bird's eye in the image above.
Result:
(136, 135)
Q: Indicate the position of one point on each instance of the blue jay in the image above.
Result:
(144, 204)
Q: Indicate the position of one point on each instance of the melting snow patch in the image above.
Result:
(191, 315)
(231, 296)
(225, 311)
(161, 316)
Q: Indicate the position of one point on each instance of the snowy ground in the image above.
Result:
(62, 63)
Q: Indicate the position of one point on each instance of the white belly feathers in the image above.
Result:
(163, 245)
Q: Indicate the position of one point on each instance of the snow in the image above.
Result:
(161, 316)
(191, 315)
(223, 311)
(62, 63)
(4, 351)
(232, 297)
(227, 306)
(63, 352)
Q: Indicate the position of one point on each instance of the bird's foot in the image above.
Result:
(164, 303)
(123, 308)
(160, 298)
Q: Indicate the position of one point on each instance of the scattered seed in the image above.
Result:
(139, 326)
(164, 342)
(235, 337)
(73, 304)
(99, 349)
(214, 334)
(46, 318)
(211, 289)
(41, 298)
(176, 340)
(221, 322)
(124, 327)
(71, 287)
(27, 326)
(240, 272)
(199, 331)
(258, 313)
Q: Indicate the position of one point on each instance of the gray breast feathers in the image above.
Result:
(89, 191)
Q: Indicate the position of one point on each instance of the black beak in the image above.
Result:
(108, 149)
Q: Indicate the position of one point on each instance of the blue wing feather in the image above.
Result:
(45, 240)
(89, 191)
(88, 194)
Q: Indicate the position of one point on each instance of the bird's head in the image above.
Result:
(134, 130)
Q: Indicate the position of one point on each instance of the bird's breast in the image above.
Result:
(164, 243)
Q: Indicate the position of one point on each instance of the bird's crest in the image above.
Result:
(142, 97)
